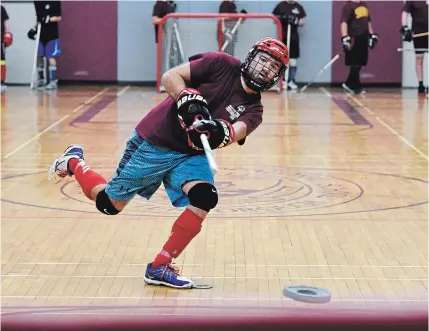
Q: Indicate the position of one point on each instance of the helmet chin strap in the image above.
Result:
(247, 88)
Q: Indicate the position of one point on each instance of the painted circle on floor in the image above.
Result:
(251, 192)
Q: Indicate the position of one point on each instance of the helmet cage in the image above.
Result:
(252, 77)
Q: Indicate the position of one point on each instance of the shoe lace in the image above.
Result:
(171, 267)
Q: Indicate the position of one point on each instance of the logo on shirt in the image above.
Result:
(361, 12)
(235, 113)
(295, 11)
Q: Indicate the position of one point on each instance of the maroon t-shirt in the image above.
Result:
(217, 76)
(419, 14)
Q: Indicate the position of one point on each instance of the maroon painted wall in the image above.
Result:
(88, 39)
(385, 62)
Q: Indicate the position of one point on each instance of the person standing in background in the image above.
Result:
(6, 40)
(293, 14)
(48, 14)
(357, 35)
(226, 25)
(419, 14)
(160, 9)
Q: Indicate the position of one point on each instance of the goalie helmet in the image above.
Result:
(265, 64)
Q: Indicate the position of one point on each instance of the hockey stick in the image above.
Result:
(424, 34)
(33, 71)
(288, 47)
(412, 49)
(209, 154)
(330, 63)
(233, 31)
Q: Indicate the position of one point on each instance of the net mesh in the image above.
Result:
(184, 36)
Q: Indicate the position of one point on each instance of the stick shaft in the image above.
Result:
(209, 154)
(234, 29)
(335, 58)
(288, 47)
(33, 71)
(424, 34)
(412, 49)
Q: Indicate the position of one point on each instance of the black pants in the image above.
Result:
(353, 79)
(358, 55)
(422, 43)
(294, 45)
(355, 59)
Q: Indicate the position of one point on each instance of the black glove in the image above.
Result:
(32, 33)
(219, 133)
(191, 107)
(407, 33)
(347, 43)
(372, 40)
(292, 19)
(243, 11)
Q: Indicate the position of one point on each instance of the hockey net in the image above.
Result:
(183, 35)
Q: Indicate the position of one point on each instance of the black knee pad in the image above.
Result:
(104, 204)
(203, 196)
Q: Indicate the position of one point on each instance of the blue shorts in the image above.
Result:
(145, 166)
(49, 49)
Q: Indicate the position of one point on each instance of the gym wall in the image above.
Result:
(113, 41)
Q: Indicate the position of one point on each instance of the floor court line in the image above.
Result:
(225, 156)
(55, 123)
(221, 277)
(387, 126)
(125, 89)
(150, 313)
(226, 265)
(113, 166)
(151, 298)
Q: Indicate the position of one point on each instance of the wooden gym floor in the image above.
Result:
(330, 191)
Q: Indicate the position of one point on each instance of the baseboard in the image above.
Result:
(17, 84)
(153, 84)
(105, 83)
(380, 85)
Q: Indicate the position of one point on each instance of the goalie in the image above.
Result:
(228, 27)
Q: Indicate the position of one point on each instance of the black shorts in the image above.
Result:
(358, 55)
(293, 47)
(421, 42)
